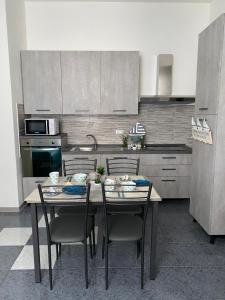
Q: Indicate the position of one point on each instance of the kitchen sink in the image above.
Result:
(86, 149)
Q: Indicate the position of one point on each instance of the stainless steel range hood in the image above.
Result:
(164, 75)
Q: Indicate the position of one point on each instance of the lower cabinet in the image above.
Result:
(170, 174)
(30, 183)
(172, 187)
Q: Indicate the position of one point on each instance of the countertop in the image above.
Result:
(118, 149)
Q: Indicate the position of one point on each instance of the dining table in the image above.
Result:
(96, 199)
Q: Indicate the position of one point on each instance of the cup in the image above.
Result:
(54, 177)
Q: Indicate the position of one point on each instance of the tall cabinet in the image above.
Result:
(207, 204)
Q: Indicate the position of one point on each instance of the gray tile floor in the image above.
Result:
(188, 267)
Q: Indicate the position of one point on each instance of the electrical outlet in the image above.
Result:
(119, 131)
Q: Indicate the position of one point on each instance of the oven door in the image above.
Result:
(36, 127)
(40, 161)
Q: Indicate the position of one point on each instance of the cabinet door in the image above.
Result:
(30, 183)
(208, 71)
(119, 82)
(41, 73)
(202, 179)
(172, 187)
(81, 82)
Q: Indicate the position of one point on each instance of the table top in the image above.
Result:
(95, 194)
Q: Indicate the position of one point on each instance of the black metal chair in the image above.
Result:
(124, 166)
(66, 228)
(124, 227)
(80, 165)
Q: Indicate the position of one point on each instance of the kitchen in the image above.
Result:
(124, 72)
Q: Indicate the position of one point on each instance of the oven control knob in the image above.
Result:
(53, 143)
(28, 143)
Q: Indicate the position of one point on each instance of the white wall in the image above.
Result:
(11, 39)
(216, 9)
(152, 28)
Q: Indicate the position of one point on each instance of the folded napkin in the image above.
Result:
(74, 189)
(142, 182)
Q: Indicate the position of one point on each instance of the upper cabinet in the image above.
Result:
(119, 82)
(41, 73)
(80, 82)
(210, 50)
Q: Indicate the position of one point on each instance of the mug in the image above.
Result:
(54, 177)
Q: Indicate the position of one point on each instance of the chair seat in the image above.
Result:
(124, 209)
(76, 210)
(124, 228)
(69, 229)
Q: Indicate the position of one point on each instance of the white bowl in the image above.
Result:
(111, 184)
(79, 177)
(128, 186)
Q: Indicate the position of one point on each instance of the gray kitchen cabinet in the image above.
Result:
(170, 173)
(119, 82)
(209, 67)
(165, 170)
(30, 183)
(41, 75)
(166, 159)
(172, 187)
(81, 82)
(208, 171)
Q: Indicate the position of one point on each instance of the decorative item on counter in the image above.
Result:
(142, 142)
(201, 131)
(138, 129)
(137, 134)
(125, 139)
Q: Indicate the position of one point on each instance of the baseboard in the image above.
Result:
(13, 209)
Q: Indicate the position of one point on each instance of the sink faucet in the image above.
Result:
(94, 139)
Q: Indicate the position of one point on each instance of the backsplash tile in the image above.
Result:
(163, 123)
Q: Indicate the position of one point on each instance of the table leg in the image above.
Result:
(153, 239)
(36, 250)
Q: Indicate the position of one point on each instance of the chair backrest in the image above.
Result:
(52, 195)
(79, 165)
(122, 165)
(114, 195)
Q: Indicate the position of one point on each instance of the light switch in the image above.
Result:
(120, 131)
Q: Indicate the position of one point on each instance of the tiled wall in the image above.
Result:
(164, 123)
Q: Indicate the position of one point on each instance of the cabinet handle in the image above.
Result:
(82, 110)
(168, 180)
(39, 181)
(169, 169)
(43, 109)
(203, 108)
(119, 110)
(169, 157)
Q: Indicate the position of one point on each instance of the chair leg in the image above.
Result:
(85, 264)
(91, 247)
(142, 261)
(50, 266)
(106, 264)
(93, 235)
(57, 250)
(60, 249)
(138, 248)
(103, 247)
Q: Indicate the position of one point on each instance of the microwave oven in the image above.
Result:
(39, 126)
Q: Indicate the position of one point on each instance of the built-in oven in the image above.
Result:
(40, 156)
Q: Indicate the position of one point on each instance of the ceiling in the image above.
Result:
(155, 1)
